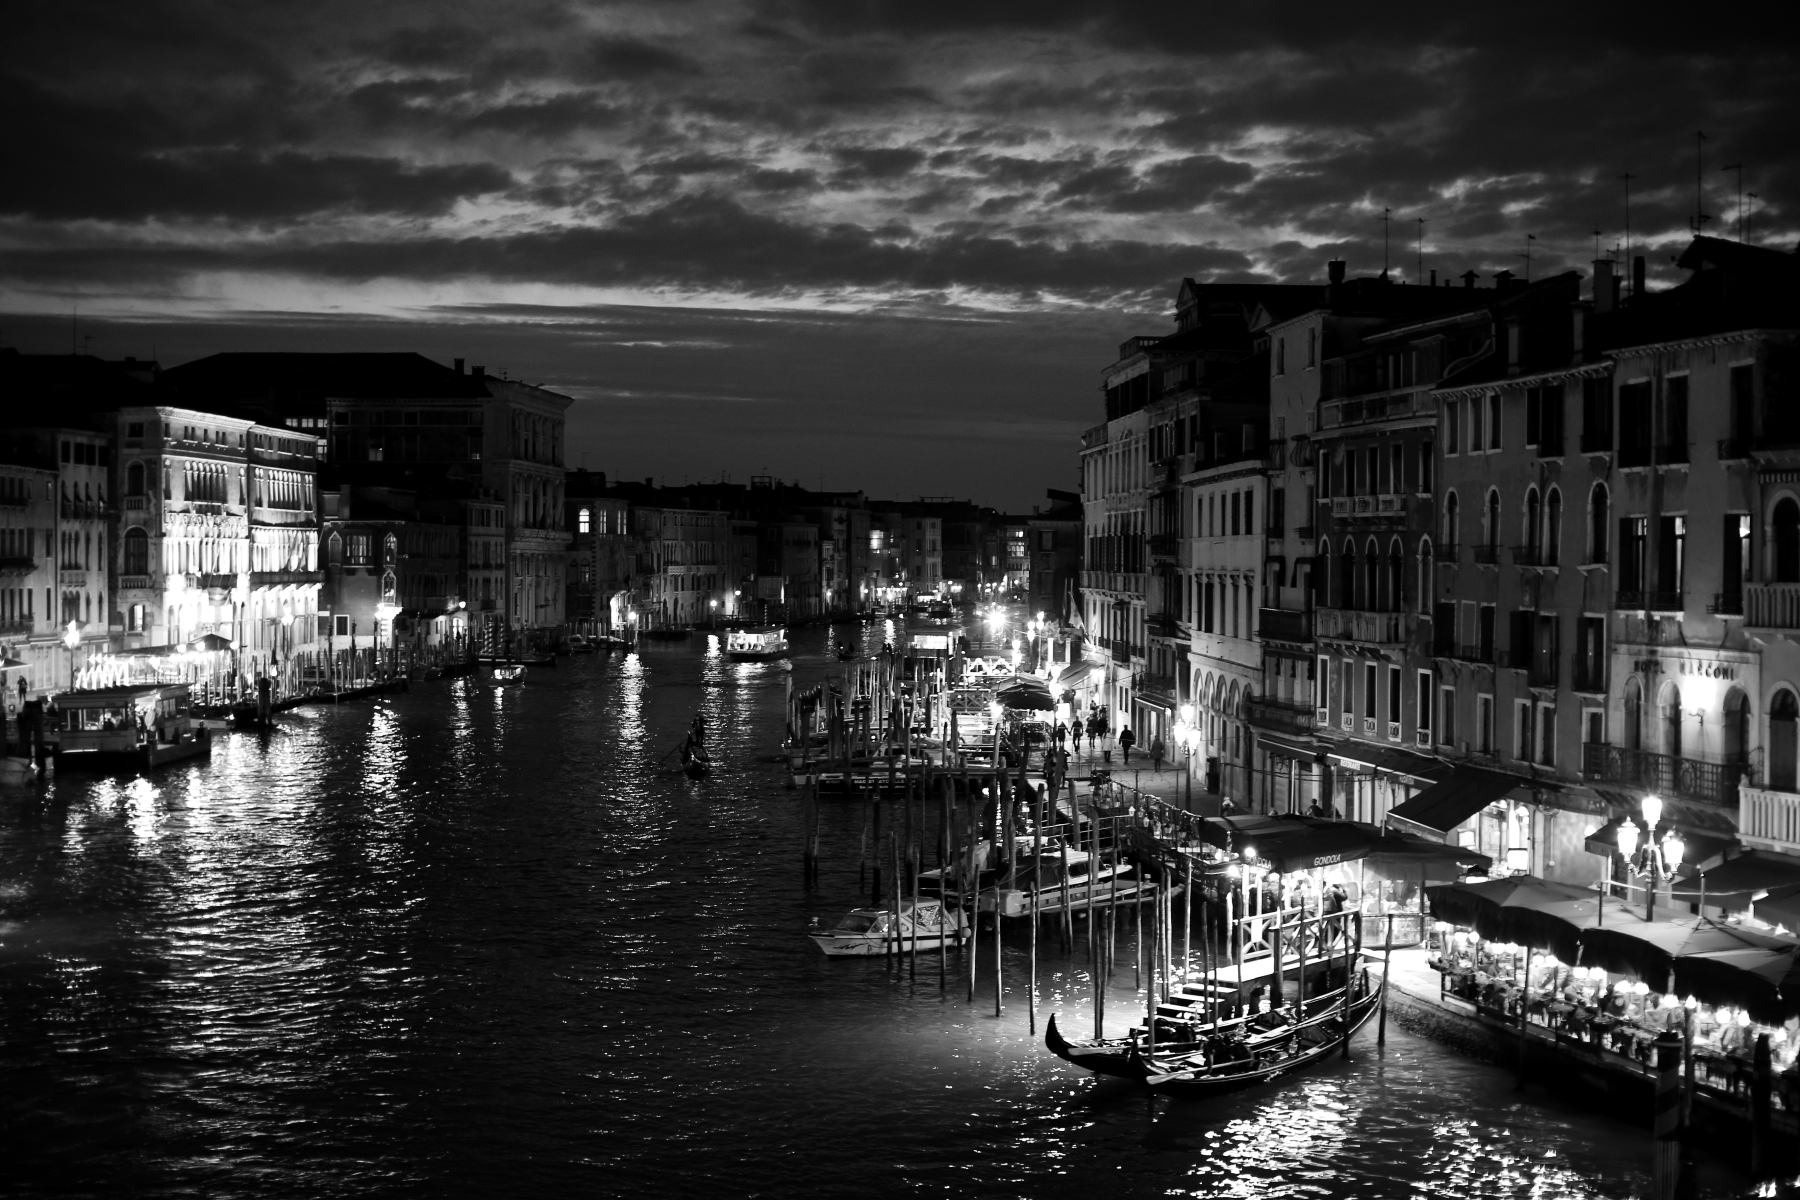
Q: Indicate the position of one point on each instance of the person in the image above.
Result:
(1127, 740)
(1059, 735)
(1156, 753)
(1313, 809)
(1227, 807)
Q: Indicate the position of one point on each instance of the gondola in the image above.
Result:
(695, 762)
(1255, 1051)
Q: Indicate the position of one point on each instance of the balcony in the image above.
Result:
(1488, 555)
(1772, 605)
(1769, 820)
(1664, 774)
(1360, 411)
(1533, 556)
(1448, 553)
(1159, 686)
(1164, 545)
(487, 605)
(1355, 625)
(1540, 669)
(1469, 652)
(135, 582)
(1163, 625)
(1281, 716)
(1727, 604)
(279, 578)
(1653, 602)
(1121, 652)
(1634, 455)
(1285, 624)
(72, 577)
(135, 503)
(20, 565)
(1589, 677)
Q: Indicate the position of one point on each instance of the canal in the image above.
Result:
(479, 940)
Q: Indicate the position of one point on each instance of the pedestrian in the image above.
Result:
(1127, 740)
(1227, 807)
(1059, 735)
(1313, 809)
(1156, 753)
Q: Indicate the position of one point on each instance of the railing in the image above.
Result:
(133, 503)
(1355, 625)
(1157, 685)
(1280, 716)
(1372, 408)
(1164, 545)
(1094, 437)
(15, 502)
(1769, 820)
(1533, 556)
(1121, 652)
(1487, 555)
(1656, 602)
(1447, 553)
(277, 578)
(1272, 454)
(1727, 604)
(1590, 679)
(1772, 605)
(1689, 778)
(213, 581)
(489, 605)
(1163, 625)
(135, 581)
(1473, 652)
(72, 576)
(21, 565)
(1285, 624)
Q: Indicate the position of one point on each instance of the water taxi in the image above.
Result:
(132, 727)
(510, 673)
(756, 645)
(866, 932)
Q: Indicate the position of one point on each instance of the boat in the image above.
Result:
(696, 763)
(581, 644)
(756, 645)
(509, 673)
(133, 727)
(1239, 1050)
(1037, 886)
(940, 611)
(867, 932)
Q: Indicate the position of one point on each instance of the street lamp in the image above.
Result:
(1185, 737)
(1659, 859)
(72, 639)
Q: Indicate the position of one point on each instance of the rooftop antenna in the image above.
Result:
(1753, 199)
(1625, 258)
(1739, 168)
(1700, 216)
(1529, 238)
(73, 309)
(1384, 241)
(1420, 277)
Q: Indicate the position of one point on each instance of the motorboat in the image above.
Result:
(509, 673)
(756, 645)
(868, 932)
(1051, 881)
(130, 727)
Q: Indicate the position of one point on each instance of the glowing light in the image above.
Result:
(1673, 848)
(1628, 838)
(1652, 808)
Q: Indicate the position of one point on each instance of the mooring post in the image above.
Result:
(1665, 1163)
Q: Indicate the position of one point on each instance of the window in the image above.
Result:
(1635, 425)
(1250, 512)
(1451, 521)
(1633, 533)
(1743, 406)
(1484, 632)
(1546, 746)
(1422, 702)
(1452, 409)
(1784, 716)
(1597, 524)
(1787, 540)
(134, 479)
(1671, 557)
(1522, 730)
(1675, 420)
(1734, 572)
(1426, 589)
(1596, 415)
(1493, 421)
(1236, 512)
(1484, 724)
(1369, 683)
(1281, 356)
(134, 619)
(1393, 704)
(1447, 725)
(1322, 686)
(134, 429)
(137, 552)
(1490, 529)
(1424, 482)
(1553, 529)
(1278, 511)
(343, 625)
(584, 521)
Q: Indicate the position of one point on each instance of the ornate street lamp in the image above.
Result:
(1657, 860)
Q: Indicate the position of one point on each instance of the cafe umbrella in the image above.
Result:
(1763, 981)
(1648, 950)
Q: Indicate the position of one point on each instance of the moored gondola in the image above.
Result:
(1227, 1064)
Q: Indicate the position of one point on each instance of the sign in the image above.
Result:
(1697, 668)
(931, 641)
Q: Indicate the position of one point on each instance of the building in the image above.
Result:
(30, 632)
(1054, 545)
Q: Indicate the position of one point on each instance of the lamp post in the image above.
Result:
(1184, 737)
(72, 639)
(287, 650)
(1660, 859)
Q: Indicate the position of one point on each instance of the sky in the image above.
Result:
(874, 245)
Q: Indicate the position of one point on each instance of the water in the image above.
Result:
(479, 941)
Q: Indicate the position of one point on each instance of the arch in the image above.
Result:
(584, 521)
(1534, 522)
(1490, 519)
(137, 551)
(1784, 714)
(334, 548)
(1786, 522)
(1452, 519)
(1597, 524)
(1347, 577)
(1553, 527)
(1371, 585)
(1396, 576)
(1736, 726)
(1231, 702)
(1634, 715)
(1427, 587)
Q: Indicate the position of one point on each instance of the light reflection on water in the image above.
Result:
(484, 940)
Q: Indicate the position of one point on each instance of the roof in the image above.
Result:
(289, 380)
(103, 697)
(1441, 807)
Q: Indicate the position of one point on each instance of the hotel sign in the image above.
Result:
(1686, 666)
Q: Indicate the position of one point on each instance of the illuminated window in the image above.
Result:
(584, 521)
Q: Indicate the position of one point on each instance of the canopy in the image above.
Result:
(1441, 807)
(1305, 849)
(1780, 907)
(1405, 848)
(1289, 748)
(1495, 907)
(1764, 982)
(1230, 833)
(1076, 675)
(1027, 683)
(1648, 949)
(1029, 698)
(1391, 759)
(1733, 884)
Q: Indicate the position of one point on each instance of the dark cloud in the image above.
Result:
(630, 58)
(878, 162)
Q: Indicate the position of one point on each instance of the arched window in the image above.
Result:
(1787, 541)
(1396, 576)
(1736, 727)
(1347, 577)
(1671, 721)
(134, 479)
(1534, 524)
(1553, 528)
(1597, 524)
(1371, 588)
(1634, 716)
(1427, 586)
(1451, 520)
(1490, 521)
(334, 549)
(137, 552)
(584, 521)
(1321, 579)
(1784, 712)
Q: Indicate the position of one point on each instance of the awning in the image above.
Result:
(1077, 675)
(1391, 759)
(1218, 831)
(1321, 846)
(1763, 981)
(1287, 748)
(1733, 884)
(1781, 907)
(1154, 702)
(1648, 950)
(1403, 850)
(1434, 812)
(1604, 841)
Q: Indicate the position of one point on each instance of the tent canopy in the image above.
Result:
(1647, 950)
(1734, 883)
(1764, 982)
(1441, 807)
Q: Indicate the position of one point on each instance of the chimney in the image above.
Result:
(478, 372)
(1603, 285)
(1503, 281)
(1334, 270)
(1637, 276)
(649, 481)
(459, 366)
(1469, 278)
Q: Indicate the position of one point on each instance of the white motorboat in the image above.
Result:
(756, 645)
(867, 932)
(1039, 886)
(510, 673)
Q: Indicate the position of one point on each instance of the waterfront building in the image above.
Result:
(1224, 504)
(599, 556)
(484, 568)
(394, 573)
(29, 630)
(1055, 547)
